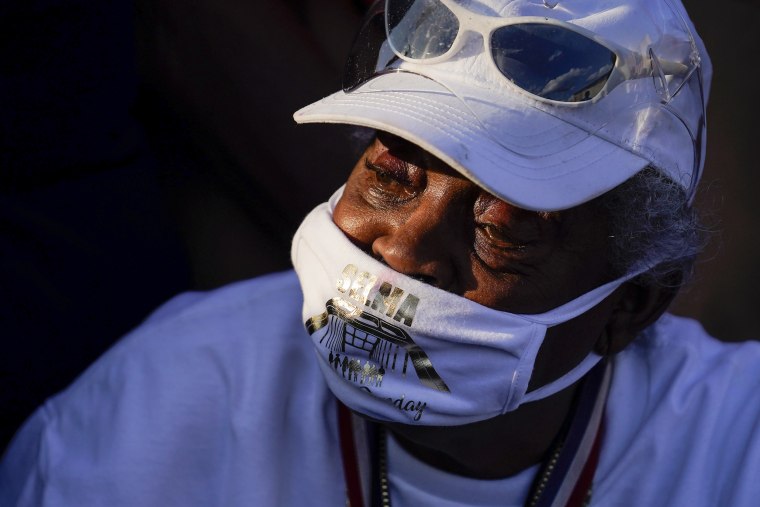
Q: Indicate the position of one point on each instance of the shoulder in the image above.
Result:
(238, 318)
(677, 359)
(188, 397)
(273, 294)
(682, 418)
(198, 339)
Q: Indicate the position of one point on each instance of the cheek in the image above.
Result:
(491, 290)
(351, 220)
(359, 222)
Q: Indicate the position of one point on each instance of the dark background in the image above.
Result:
(147, 148)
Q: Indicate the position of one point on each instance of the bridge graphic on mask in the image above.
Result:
(352, 332)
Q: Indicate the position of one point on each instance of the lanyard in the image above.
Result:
(564, 481)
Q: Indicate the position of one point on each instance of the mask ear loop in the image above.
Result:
(571, 377)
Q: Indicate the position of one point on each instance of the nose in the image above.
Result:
(427, 244)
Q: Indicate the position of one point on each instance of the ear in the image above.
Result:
(636, 308)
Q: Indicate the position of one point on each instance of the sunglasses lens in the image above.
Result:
(552, 62)
(420, 29)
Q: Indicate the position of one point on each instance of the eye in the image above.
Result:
(500, 238)
(394, 182)
(508, 238)
(389, 175)
(500, 249)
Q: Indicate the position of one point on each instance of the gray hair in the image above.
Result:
(653, 228)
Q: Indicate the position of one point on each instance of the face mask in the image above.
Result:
(399, 350)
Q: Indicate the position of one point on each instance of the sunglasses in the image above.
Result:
(551, 60)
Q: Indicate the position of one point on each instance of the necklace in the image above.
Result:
(382, 466)
(384, 483)
(543, 476)
(565, 479)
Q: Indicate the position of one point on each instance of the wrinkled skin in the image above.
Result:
(411, 211)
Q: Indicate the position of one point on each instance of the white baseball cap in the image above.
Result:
(437, 78)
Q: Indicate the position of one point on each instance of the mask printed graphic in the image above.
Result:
(356, 332)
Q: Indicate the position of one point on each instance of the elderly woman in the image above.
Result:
(478, 314)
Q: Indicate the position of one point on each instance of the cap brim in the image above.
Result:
(539, 162)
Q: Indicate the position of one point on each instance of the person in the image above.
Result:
(478, 317)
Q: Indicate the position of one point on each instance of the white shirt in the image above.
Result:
(415, 483)
(217, 400)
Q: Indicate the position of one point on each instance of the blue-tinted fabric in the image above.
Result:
(217, 400)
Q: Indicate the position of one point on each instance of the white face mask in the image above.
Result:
(399, 350)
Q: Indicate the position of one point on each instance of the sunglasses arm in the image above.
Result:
(634, 65)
